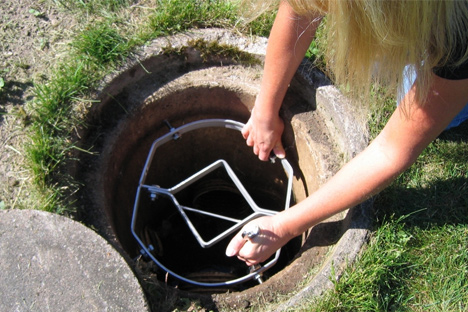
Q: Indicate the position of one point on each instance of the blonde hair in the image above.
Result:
(371, 41)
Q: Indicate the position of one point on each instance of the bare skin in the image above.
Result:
(410, 129)
(290, 38)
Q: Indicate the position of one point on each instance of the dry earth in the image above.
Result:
(33, 37)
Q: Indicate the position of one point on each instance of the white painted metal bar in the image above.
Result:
(156, 191)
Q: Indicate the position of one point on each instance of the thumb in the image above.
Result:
(246, 129)
(235, 245)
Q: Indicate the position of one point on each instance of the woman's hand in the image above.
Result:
(289, 40)
(260, 247)
(263, 133)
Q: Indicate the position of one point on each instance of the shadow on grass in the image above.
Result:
(458, 134)
(441, 200)
(439, 203)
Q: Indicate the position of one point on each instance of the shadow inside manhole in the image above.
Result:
(135, 109)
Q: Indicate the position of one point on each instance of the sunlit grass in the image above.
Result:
(94, 6)
(101, 44)
(99, 48)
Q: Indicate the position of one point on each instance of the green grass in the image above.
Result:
(417, 257)
(178, 15)
(93, 6)
(405, 268)
(102, 44)
(97, 50)
(52, 124)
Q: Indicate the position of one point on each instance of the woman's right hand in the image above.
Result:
(263, 132)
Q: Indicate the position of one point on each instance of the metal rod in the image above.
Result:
(255, 273)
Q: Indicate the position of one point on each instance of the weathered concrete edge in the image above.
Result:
(343, 121)
(64, 258)
(330, 106)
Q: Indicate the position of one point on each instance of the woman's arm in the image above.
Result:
(410, 129)
(289, 40)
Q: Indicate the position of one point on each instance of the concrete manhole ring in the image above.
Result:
(174, 82)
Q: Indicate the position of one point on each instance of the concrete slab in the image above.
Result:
(51, 263)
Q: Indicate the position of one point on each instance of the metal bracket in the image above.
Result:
(155, 191)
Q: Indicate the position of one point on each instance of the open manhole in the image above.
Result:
(184, 227)
(130, 184)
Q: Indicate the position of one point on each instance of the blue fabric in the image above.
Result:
(409, 78)
(461, 117)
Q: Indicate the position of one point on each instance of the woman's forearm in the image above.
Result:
(408, 132)
(289, 40)
(364, 176)
(410, 129)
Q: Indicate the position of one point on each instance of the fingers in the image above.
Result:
(234, 249)
(247, 261)
(279, 150)
(235, 245)
(250, 141)
(231, 251)
(264, 139)
(265, 151)
(246, 130)
(258, 240)
(245, 244)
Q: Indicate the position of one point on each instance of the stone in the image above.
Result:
(51, 263)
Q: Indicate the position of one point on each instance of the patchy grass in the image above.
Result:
(173, 16)
(417, 258)
(101, 44)
(52, 124)
(105, 41)
(94, 6)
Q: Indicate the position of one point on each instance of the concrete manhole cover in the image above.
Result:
(52, 263)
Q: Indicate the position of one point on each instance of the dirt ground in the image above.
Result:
(34, 34)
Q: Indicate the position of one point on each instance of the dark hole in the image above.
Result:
(161, 225)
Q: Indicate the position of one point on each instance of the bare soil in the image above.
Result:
(34, 35)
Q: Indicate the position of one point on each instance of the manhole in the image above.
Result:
(217, 218)
(185, 232)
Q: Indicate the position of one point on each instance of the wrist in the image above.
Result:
(264, 119)
(283, 229)
(267, 105)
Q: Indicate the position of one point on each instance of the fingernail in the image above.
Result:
(279, 153)
(230, 252)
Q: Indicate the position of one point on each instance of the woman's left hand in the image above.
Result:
(260, 247)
